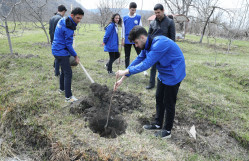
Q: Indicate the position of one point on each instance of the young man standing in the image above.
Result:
(129, 21)
(52, 25)
(171, 71)
(62, 49)
(167, 26)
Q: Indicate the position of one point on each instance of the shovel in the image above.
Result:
(88, 76)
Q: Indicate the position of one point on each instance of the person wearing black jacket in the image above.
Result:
(167, 26)
(52, 25)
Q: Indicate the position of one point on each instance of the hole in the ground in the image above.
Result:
(94, 108)
(116, 126)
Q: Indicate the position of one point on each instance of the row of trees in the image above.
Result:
(38, 12)
(206, 16)
(21, 11)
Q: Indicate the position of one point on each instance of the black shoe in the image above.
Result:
(152, 127)
(150, 87)
(163, 134)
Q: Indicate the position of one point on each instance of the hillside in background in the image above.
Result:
(54, 4)
(47, 11)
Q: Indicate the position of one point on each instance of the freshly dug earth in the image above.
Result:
(94, 108)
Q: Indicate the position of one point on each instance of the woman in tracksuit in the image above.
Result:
(110, 41)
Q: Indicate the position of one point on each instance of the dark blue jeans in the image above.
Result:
(56, 67)
(153, 75)
(66, 75)
(165, 104)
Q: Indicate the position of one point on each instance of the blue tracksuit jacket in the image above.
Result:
(168, 56)
(63, 38)
(129, 23)
(111, 38)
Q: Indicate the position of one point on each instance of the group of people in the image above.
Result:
(155, 48)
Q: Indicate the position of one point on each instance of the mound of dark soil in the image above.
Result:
(100, 100)
(95, 109)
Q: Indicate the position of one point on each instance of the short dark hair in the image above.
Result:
(159, 6)
(77, 11)
(133, 5)
(61, 8)
(136, 32)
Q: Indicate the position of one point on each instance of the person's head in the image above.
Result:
(132, 8)
(77, 14)
(159, 11)
(116, 19)
(139, 36)
(62, 10)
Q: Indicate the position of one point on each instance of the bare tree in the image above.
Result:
(108, 7)
(105, 12)
(180, 7)
(8, 9)
(206, 23)
(206, 9)
(36, 13)
(239, 21)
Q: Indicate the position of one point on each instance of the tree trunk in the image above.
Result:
(44, 29)
(204, 28)
(8, 35)
(229, 45)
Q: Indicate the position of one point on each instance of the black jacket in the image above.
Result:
(52, 25)
(167, 26)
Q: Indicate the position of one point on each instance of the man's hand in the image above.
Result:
(120, 73)
(77, 59)
(103, 44)
(118, 83)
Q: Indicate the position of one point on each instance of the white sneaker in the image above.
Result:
(61, 91)
(145, 73)
(71, 99)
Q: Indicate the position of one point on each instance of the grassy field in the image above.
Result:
(214, 97)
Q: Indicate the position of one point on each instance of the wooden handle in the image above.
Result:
(86, 73)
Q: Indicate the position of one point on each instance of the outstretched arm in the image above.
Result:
(120, 73)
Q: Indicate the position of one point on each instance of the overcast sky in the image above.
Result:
(149, 4)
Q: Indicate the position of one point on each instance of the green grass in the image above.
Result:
(217, 94)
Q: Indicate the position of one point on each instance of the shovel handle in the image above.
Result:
(86, 73)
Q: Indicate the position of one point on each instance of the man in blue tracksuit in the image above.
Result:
(171, 71)
(129, 21)
(62, 49)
